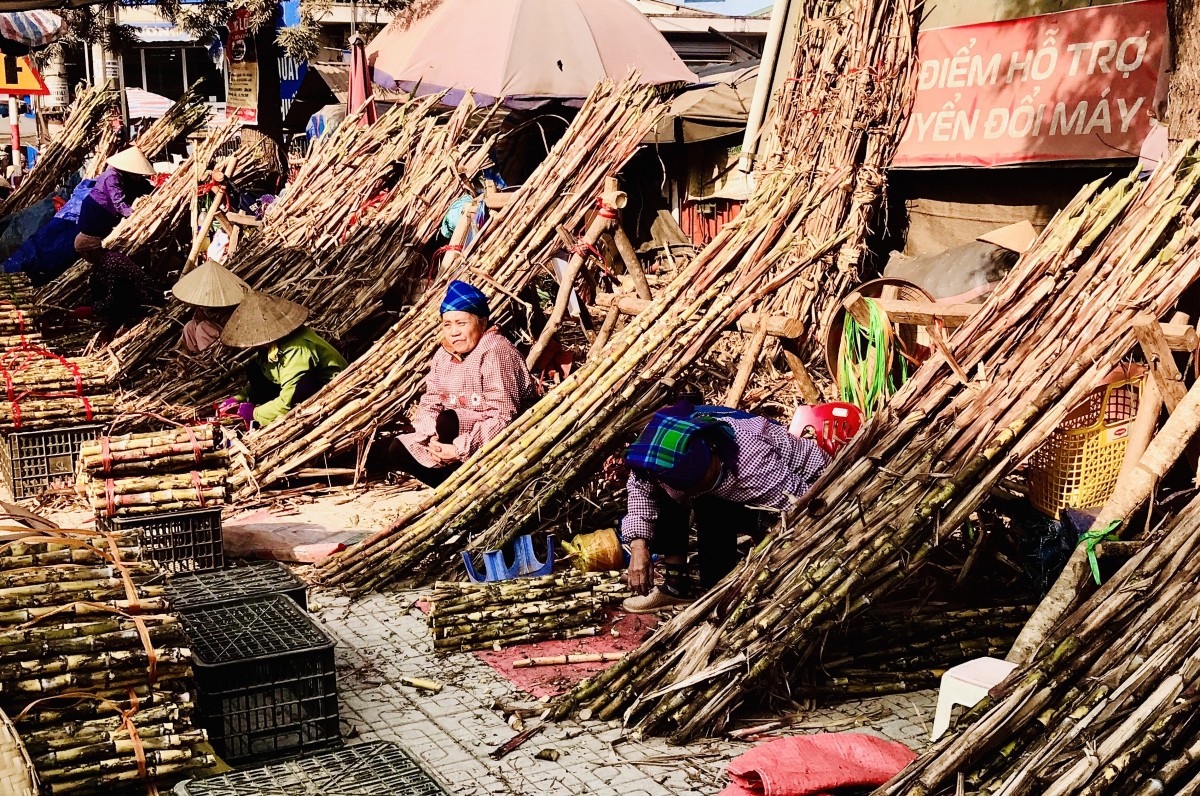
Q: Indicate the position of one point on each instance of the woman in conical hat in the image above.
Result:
(214, 291)
(291, 362)
(111, 198)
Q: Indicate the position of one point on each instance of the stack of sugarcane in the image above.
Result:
(833, 40)
(559, 444)
(898, 649)
(18, 312)
(1107, 707)
(350, 227)
(1053, 331)
(93, 666)
(66, 153)
(473, 616)
(45, 390)
(149, 233)
(189, 114)
(506, 255)
(153, 472)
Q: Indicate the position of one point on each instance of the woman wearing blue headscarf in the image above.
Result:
(477, 385)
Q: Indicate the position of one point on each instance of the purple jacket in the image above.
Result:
(115, 192)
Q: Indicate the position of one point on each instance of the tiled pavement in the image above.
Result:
(381, 638)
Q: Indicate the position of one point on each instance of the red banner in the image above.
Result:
(1076, 85)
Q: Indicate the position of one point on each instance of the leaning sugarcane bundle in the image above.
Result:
(350, 228)
(153, 472)
(842, 77)
(92, 669)
(554, 448)
(155, 221)
(1108, 704)
(1054, 330)
(468, 616)
(16, 319)
(188, 114)
(66, 153)
(506, 255)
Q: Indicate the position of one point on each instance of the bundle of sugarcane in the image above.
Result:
(156, 219)
(9, 342)
(93, 668)
(505, 256)
(350, 228)
(1107, 707)
(15, 320)
(152, 472)
(898, 649)
(17, 289)
(1056, 327)
(560, 443)
(66, 153)
(471, 616)
(843, 81)
(46, 390)
(106, 146)
(188, 114)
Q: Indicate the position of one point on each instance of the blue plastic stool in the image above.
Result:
(525, 564)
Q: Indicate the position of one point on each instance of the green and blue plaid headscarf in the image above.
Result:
(676, 447)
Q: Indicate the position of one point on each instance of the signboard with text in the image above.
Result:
(242, 98)
(1076, 85)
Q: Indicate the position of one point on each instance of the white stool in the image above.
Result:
(966, 684)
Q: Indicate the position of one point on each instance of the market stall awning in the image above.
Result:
(526, 51)
(146, 105)
(31, 5)
(716, 109)
(32, 28)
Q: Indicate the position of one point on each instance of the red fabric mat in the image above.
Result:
(814, 765)
(543, 681)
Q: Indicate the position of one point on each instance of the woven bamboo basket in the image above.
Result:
(17, 777)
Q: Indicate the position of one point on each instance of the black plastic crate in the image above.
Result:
(34, 461)
(196, 589)
(379, 768)
(265, 682)
(175, 541)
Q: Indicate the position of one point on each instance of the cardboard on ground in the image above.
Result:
(18, 76)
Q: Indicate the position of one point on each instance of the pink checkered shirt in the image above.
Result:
(771, 468)
(488, 388)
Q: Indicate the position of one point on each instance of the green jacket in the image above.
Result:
(286, 363)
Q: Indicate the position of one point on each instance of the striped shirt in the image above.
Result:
(771, 469)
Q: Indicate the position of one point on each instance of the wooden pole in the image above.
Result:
(746, 367)
(1161, 360)
(612, 200)
(632, 264)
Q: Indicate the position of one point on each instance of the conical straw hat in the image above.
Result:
(210, 285)
(1017, 237)
(262, 318)
(132, 161)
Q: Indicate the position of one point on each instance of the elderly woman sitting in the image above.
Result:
(477, 385)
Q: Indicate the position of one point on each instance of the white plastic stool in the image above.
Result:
(966, 684)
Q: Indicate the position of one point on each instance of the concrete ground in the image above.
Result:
(382, 638)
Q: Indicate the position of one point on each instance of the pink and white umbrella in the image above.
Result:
(524, 50)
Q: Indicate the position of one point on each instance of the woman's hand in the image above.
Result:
(442, 452)
(641, 568)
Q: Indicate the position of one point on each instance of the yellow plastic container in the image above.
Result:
(1077, 466)
(596, 552)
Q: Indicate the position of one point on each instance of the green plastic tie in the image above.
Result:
(1093, 538)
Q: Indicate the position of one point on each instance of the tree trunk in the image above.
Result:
(1183, 110)
(267, 136)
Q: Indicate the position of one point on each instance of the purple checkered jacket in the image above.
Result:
(771, 468)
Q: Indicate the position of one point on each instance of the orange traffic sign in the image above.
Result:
(20, 77)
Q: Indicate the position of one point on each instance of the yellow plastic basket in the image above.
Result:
(1077, 466)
